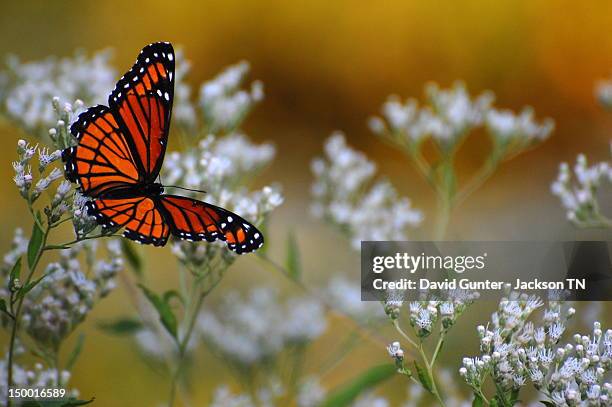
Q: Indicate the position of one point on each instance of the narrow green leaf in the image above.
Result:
(347, 393)
(166, 315)
(424, 377)
(478, 401)
(3, 305)
(28, 287)
(168, 295)
(16, 270)
(74, 355)
(56, 403)
(514, 396)
(75, 403)
(36, 241)
(133, 258)
(293, 262)
(121, 326)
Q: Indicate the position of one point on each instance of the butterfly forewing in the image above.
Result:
(102, 159)
(142, 102)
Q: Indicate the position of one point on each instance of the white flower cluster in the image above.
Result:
(223, 103)
(579, 198)
(425, 314)
(221, 166)
(311, 392)
(62, 300)
(603, 92)
(267, 395)
(36, 378)
(183, 112)
(344, 294)
(450, 114)
(65, 200)
(247, 331)
(27, 88)
(516, 351)
(344, 193)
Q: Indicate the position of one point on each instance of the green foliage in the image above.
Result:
(345, 395)
(166, 316)
(76, 351)
(15, 271)
(56, 403)
(293, 263)
(133, 258)
(121, 326)
(424, 378)
(36, 242)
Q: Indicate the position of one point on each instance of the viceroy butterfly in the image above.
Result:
(119, 155)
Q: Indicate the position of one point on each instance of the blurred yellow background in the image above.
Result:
(328, 65)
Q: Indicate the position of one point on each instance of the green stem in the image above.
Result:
(443, 218)
(429, 367)
(17, 314)
(75, 241)
(483, 174)
(184, 342)
(428, 364)
(438, 347)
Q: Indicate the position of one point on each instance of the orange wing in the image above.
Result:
(142, 104)
(143, 221)
(102, 159)
(196, 220)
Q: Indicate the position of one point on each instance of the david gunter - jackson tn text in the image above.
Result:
(467, 284)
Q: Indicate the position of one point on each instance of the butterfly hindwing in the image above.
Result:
(142, 104)
(102, 159)
(141, 217)
(196, 220)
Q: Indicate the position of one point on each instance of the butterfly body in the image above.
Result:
(119, 155)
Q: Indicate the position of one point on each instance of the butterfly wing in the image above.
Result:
(141, 216)
(142, 104)
(196, 220)
(102, 159)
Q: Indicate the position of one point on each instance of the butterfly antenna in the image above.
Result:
(185, 189)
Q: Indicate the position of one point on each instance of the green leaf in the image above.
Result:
(3, 305)
(36, 241)
(133, 258)
(168, 295)
(347, 393)
(121, 326)
(16, 270)
(424, 377)
(493, 403)
(75, 403)
(478, 401)
(28, 287)
(166, 316)
(74, 355)
(514, 396)
(56, 403)
(293, 262)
